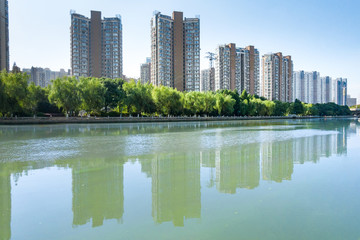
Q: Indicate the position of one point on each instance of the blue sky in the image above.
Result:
(321, 35)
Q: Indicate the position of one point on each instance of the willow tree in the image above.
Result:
(92, 93)
(65, 94)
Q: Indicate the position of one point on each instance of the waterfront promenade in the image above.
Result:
(70, 120)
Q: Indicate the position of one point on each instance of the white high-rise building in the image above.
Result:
(339, 91)
(309, 87)
(175, 51)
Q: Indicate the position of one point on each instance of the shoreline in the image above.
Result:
(88, 120)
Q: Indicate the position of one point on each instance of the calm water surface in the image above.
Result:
(219, 180)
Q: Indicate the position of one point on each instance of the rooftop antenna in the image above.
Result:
(72, 11)
(211, 56)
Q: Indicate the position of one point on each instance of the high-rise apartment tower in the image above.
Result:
(4, 35)
(96, 46)
(277, 77)
(175, 51)
(237, 68)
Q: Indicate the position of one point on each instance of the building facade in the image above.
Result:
(351, 101)
(4, 35)
(339, 91)
(42, 76)
(175, 51)
(237, 68)
(207, 80)
(145, 71)
(326, 89)
(309, 87)
(96, 46)
(277, 77)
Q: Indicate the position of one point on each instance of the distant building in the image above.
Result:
(326, 89)
(237, 68)
(96, 46)
(15, 69)
(277, 77)
(4, 35)
(351, 101)
(339, 91)
(308, 87)
(42, 76)
(175, 51)
(207, 80)
(145, 71)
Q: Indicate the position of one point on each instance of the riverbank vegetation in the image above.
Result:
(114, 97)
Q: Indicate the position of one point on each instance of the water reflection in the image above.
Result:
(5, 204)
(98, 182)
(98, 191)
(238, 168)
(175, 187)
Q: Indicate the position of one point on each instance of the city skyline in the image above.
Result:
(323, 42)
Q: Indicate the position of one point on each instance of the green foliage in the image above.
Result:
(92, 93)
(36, 94)
(224, 104)
(14, 91)
(281, 108)
(332, 109)
(138, 97)
(194, 103)
(114, 92)
(297, 108)
(65, 93)
(168, 101)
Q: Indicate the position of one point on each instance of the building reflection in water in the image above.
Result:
(237, 168)
(175, 188)
(97, 183)
(5, 203)
(98, 191)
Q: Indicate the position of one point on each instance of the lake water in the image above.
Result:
(293, 179)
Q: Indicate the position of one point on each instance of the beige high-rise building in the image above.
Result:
(175, 51)
(96, 46)
(4, 35)
(277, 77)
(237, 68)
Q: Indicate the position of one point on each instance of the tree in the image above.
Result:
(310, 110)
(224, 104)
(3, 97)
(36, 94)
(114, 93)
(92, 93)
(168, 101)
(14, 86)
(138, 97)
(281, 108)
(209, 103)
(297, 107)
(244, 95)
(193, 103)
(64, 92)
